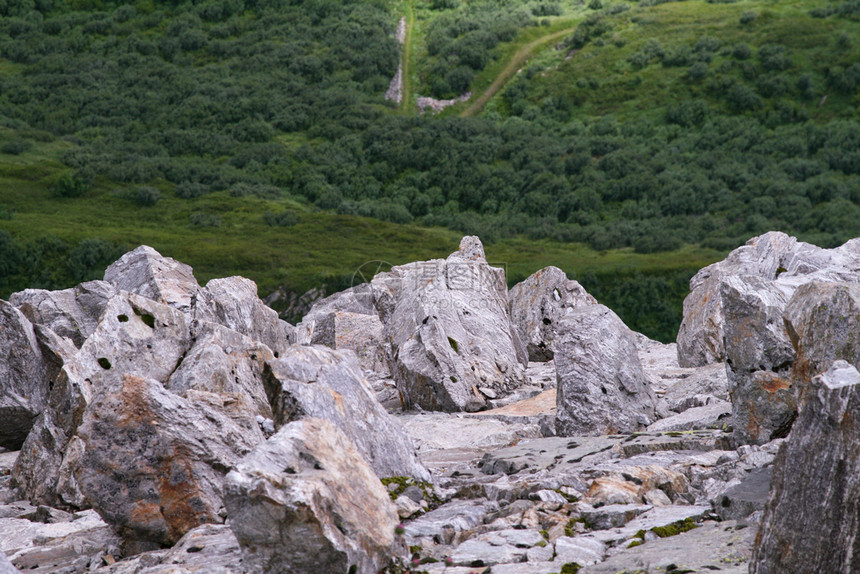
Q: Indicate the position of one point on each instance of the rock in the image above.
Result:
(539, 303)
(146, 272)
(545, 454)
(25, 374)
(440, 431)
(72, 313)
(822, 320)
(229, 364)
(811, 516)
(305, 501)
(76, 545)
(700, 337)
(697, 387)
(406, 507)
(135, 336)
(476, 552)
(715, 546)
(321, 383)
(361, 333)
(601, 386)
(715, 415)
(6, 567)
(656, 497)
(611, 515)
(233, 302)
(442, 523)
(747, 497)
(448, 326)
(614, 491)
(578, 550)
(759, 356)
(657, 518)
(154, 463)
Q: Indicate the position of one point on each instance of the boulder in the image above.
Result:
(358, 332)
(602, 388)
(759, 356)
(154, 463)
(146, 272)
(746, 497)
(325, 384)
(26, 368)
(233, 302)
(135, 336)
(306, 502)
(72, 313)
(6, 567)
(450, 335)
(811, 516)
(357, 300)
(539, 303)
(700, 337)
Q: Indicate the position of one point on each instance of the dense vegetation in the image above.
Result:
(229, 132)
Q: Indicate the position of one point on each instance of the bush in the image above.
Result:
(595, 4)
(282, 219)
(72, 185)
(191, 189)
(748, 16)
(698, 71)
(146, 196)
(203, 219)
(16, 146)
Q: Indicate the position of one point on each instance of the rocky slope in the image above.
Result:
(432, 421)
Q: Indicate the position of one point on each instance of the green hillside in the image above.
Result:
(628, 143)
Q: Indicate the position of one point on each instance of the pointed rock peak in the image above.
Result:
(146, 272)
(471, 249)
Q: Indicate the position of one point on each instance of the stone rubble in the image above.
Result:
(154, 426)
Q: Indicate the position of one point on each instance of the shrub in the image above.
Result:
(748, 16)
(72, 185)
(191, 189)
(698, 71)
(282, 219)
(146, 196)
(203, 219)
(16, 146)
(595, 4)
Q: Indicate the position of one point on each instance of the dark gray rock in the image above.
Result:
(811, 517)
(321, 383)
(539, 303)
(749, 496)
(154, 463)
(602, 388)
(146, 272)
(306, 502)
(450, 335)
(72, 313)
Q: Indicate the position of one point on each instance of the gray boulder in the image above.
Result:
(322, 383)
(357, 300)
(26, 369)
(539, 303)
(602, 388)
(72, 313)
(233, 302)
(146, 272)
(746, 497)
(6, 567)
(306, 502)
(812, 517)
(154, 463)
(450, 335)
(358, 332)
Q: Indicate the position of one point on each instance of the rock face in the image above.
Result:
(321, 383)
(146, 272)
(450, 335)
(25, 372)
(539, 303)
(71, 313)
(812, 517)
(154, 463)
(601, 386)
(358, 332)
(305, 502)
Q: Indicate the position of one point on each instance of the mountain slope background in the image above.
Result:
(248, 137)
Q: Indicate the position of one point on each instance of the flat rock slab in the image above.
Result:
(545, 453)
(477, 552)
(441, 431)
(712, 416)
(454, 516)
(539, 410)
(723, 547)
(699, 440)
(658, 516)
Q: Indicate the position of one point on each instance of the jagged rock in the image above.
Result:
(146, 272)
(305, 501)
(76, 545)
(822, 320)
(361, 333)
(448, 326)
(601, 386)
(154, 463)
(700, 337)
(135, 336)
(233, 302)
(26, 368)
(715, 546)
(357, 300)
(229, 364)
(750, 495)
(538, 303)
(697, 387)
(714, 415)
(322, 383)
(72, 313)
(811, 517)
(611, 515)
(759, 356)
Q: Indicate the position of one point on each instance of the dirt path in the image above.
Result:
(515, 64)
